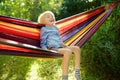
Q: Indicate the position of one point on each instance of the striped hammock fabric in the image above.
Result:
(22, 38)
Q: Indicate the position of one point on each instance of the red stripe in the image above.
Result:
(70, 25)
(7, 47)
(80, 14)
(9, 30)
(20, 21)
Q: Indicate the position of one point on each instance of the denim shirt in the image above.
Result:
(50, 38)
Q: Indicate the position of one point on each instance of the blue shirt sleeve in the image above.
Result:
(44, 36)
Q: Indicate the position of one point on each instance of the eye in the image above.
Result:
(48, 16)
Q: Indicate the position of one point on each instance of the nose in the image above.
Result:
(51, 18)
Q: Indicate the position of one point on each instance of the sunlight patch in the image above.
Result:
(33, 74)
(90, 0)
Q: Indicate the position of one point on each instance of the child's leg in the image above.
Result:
(77, 53)
(65, 62)
(76, 50)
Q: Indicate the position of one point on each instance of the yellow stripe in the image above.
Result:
(81, 36)
(69, 41)
(24, 28)
(71, 21)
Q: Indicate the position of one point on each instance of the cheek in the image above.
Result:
(46, 21)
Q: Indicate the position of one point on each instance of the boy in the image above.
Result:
(50, 39)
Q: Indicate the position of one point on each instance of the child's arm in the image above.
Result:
(43, 39)
(63, 44)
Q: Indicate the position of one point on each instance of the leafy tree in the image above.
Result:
(103, 60)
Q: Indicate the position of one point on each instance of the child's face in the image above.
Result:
(49, 20)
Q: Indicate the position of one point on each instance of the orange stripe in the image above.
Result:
(7, 47)
(13, 31)
(79, 18)
(23, 28)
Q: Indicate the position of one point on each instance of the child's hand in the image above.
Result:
(53, 51)
(64, 45)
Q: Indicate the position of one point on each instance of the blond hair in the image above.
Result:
(42, 16)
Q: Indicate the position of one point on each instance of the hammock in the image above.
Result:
(22, 38)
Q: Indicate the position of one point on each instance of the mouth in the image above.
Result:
(51, 20)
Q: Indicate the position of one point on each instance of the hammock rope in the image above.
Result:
(22, 38)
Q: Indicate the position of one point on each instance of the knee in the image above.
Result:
(65, 51)
(68, 52)
(77, 48)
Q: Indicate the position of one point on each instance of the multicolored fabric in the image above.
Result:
(22, 38)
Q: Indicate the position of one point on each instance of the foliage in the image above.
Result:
(28, 9)
(14, 68)
(72, 7)
(103, 59)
